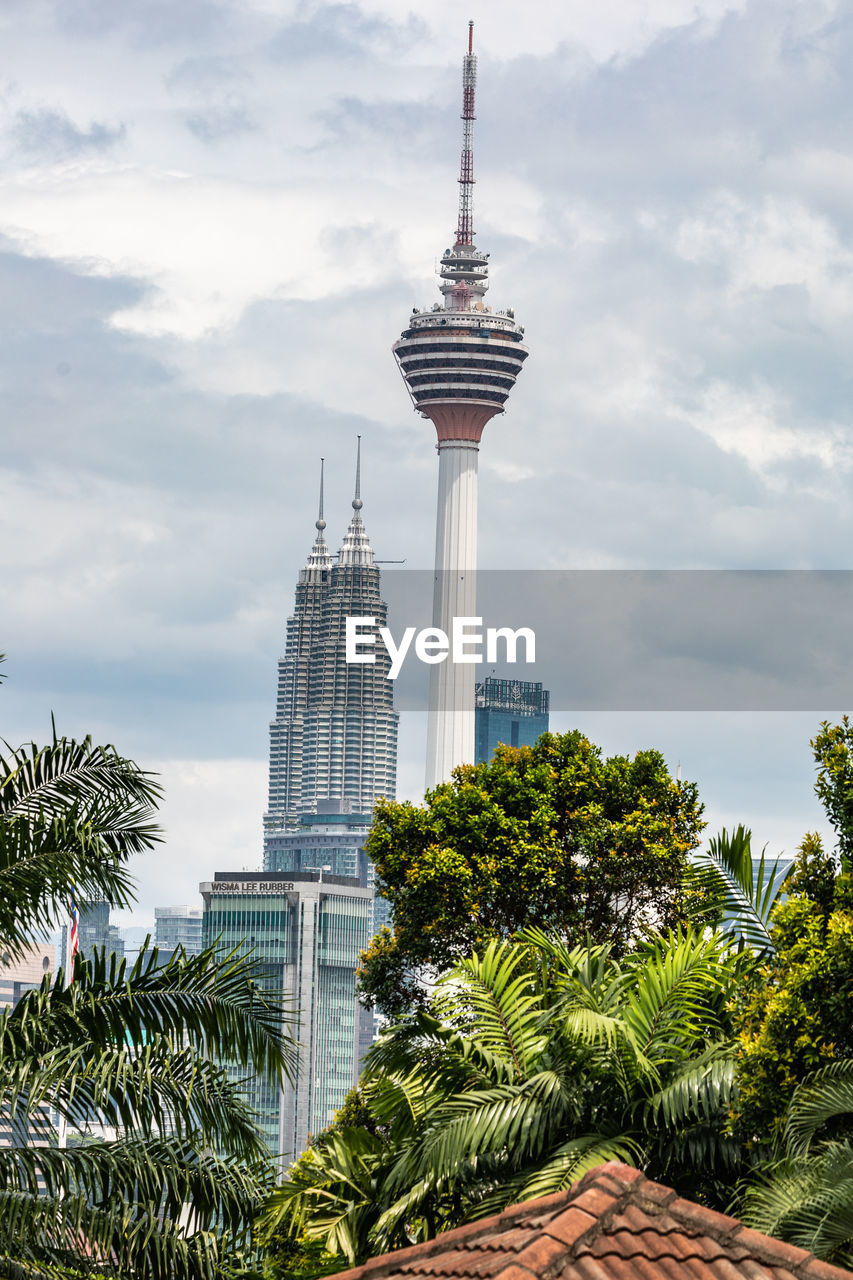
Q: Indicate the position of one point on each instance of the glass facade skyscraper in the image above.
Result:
(514, 712)
(334, 735)
(177, 927)
(307, 929)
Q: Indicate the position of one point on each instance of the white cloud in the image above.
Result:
(211, 820)
(752, 424)
(769, 245)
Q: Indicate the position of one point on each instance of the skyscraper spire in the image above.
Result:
(319, 559)
(355, 549)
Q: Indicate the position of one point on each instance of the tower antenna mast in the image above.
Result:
(465, 227)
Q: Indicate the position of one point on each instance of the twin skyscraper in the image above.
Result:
(311, 911)
(334, 736)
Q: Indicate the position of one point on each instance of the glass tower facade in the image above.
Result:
(334, 734)
(514, 712)
(307, 929)
(177, 927)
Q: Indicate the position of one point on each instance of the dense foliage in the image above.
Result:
(806, 1196)
(555, 836)
(534, 1062)
(132, 1054)
(797, 1012)
(833, 753)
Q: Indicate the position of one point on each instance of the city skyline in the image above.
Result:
(213, 220)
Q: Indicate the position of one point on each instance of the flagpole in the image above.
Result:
(71, 944)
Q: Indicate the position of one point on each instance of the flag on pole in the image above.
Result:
(72, 944)
(74, 937)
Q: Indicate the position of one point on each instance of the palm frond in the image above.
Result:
(496, 989)
(218, 1005)
(563, 1167)
(701, 1090)
(746, 891)
(822, 1096)
(808, 1201)
(71, 815)
(121, 1206)
(516, 1119)
(677, 982)
(330, 1194)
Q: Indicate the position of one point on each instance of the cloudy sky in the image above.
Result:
(215, 218)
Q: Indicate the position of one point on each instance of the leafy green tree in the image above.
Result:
(554, 836)
(137, 1049)
(535, 1062)
(833, 753)
(797, 1012)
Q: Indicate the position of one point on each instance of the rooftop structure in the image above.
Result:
(614, 1224)
(514, 712)
(459, 360)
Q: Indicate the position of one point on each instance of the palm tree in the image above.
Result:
(744, 890)
(535, 1063)
(806, 1196)
(141, 1050)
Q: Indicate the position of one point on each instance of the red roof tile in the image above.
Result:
(612, 1225)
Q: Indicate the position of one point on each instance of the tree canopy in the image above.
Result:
(555, 836)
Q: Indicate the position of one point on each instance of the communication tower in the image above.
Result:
(459, 360)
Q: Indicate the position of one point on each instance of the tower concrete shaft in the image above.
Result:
(450, 728)
(459, 360)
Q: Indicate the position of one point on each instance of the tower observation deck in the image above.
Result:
(459, 360)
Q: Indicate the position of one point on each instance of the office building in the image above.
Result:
(17, 976)
(176, 927)
(307, 929)
(25, 972)
(331, 840)
(514, 712)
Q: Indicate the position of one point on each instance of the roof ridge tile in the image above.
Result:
(612, 1223)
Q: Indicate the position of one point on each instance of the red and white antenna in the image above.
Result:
(465, 228)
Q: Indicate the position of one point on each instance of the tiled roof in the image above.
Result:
(612, 1225)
